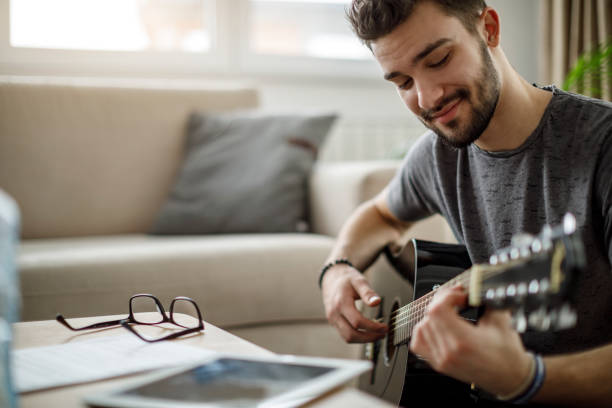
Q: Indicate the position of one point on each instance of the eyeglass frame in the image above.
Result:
(131, 319)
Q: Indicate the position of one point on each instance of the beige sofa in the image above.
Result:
(90, 163)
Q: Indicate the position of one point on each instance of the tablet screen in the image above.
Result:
(230, 382)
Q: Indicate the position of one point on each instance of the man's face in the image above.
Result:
(443, 73)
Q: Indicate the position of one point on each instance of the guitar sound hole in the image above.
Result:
(389, 345)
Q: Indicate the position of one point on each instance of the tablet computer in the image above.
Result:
(236, 381)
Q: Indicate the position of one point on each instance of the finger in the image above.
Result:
(454, 297)
(365, 291)
(351, 335)
(420, 343)
(499, 318)
(432, 350)
(360, 322)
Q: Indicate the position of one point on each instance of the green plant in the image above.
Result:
(592, 70)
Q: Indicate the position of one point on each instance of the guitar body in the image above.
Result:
(383, 381)
(398, 375)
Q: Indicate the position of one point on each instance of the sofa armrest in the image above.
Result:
(336, 189)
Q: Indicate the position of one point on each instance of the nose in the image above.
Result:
(429, 94)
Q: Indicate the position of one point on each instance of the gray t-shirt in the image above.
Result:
(564, 166)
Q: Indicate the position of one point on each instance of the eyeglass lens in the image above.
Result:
(184, 312)
(146, 310)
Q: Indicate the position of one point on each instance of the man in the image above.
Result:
(502, 157)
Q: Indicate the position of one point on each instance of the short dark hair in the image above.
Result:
(373, 19)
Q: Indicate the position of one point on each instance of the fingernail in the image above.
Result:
(373, 299)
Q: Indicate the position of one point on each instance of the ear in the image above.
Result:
(490, 26)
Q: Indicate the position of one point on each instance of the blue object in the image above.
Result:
(9, 294)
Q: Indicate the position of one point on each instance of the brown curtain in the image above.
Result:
(569, 29)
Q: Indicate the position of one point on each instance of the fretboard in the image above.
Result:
(404, 319)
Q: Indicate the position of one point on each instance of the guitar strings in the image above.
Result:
(463, 278)
(418, 307)
(404, 318)
(427, 297)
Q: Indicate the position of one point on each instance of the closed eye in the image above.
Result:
(441, 62)
(406, 84)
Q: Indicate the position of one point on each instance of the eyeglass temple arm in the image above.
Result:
(125, 323)
(63, 321)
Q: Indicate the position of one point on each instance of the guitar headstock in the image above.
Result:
(532, 277)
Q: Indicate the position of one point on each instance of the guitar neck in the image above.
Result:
(405, 318)
(476, 278)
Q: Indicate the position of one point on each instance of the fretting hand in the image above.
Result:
(489, 353)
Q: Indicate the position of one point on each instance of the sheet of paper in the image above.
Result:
(89, 360)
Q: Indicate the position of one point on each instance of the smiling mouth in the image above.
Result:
(448, 113)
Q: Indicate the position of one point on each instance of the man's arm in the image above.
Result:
(367, 231)
(580, 379)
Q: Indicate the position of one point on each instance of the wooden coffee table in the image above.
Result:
(49, 332)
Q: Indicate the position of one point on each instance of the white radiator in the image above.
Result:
(370, 138)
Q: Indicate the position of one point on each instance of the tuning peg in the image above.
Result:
(525, 252)
(540, 319)
(566, 317)
(536, 246)
(500, 294)
(519, 320)
(547, 232)
(515, 253)
(534, 287)
(522, 240)
(544, 285)
(569, 224)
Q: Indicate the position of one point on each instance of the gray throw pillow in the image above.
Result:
(244, 173)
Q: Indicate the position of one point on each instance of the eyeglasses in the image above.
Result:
(184, 312)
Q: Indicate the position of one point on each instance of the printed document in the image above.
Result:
(90, 360)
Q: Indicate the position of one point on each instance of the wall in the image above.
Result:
(373, 105)
(373, 122)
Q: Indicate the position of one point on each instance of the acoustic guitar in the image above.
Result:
(532, 278)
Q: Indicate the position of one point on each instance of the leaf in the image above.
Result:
(594, 66)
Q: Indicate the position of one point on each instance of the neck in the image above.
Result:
(519, 110)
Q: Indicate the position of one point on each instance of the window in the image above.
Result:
(315, 28)
(181, 37)
(113, 25)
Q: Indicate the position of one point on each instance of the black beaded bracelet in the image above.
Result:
(333, 263)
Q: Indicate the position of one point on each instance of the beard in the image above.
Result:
(482, 106)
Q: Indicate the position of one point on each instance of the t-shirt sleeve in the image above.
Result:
(410, 193)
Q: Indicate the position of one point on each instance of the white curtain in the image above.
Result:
(571, 28)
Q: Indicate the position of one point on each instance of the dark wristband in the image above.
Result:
(333, 263)
(536, 384)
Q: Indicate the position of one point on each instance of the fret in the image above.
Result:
(407, 317)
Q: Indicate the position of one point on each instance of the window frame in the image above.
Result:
(230, 56)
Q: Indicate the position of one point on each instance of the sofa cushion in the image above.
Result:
(244, 173)
(97, 157)
(236, 279)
